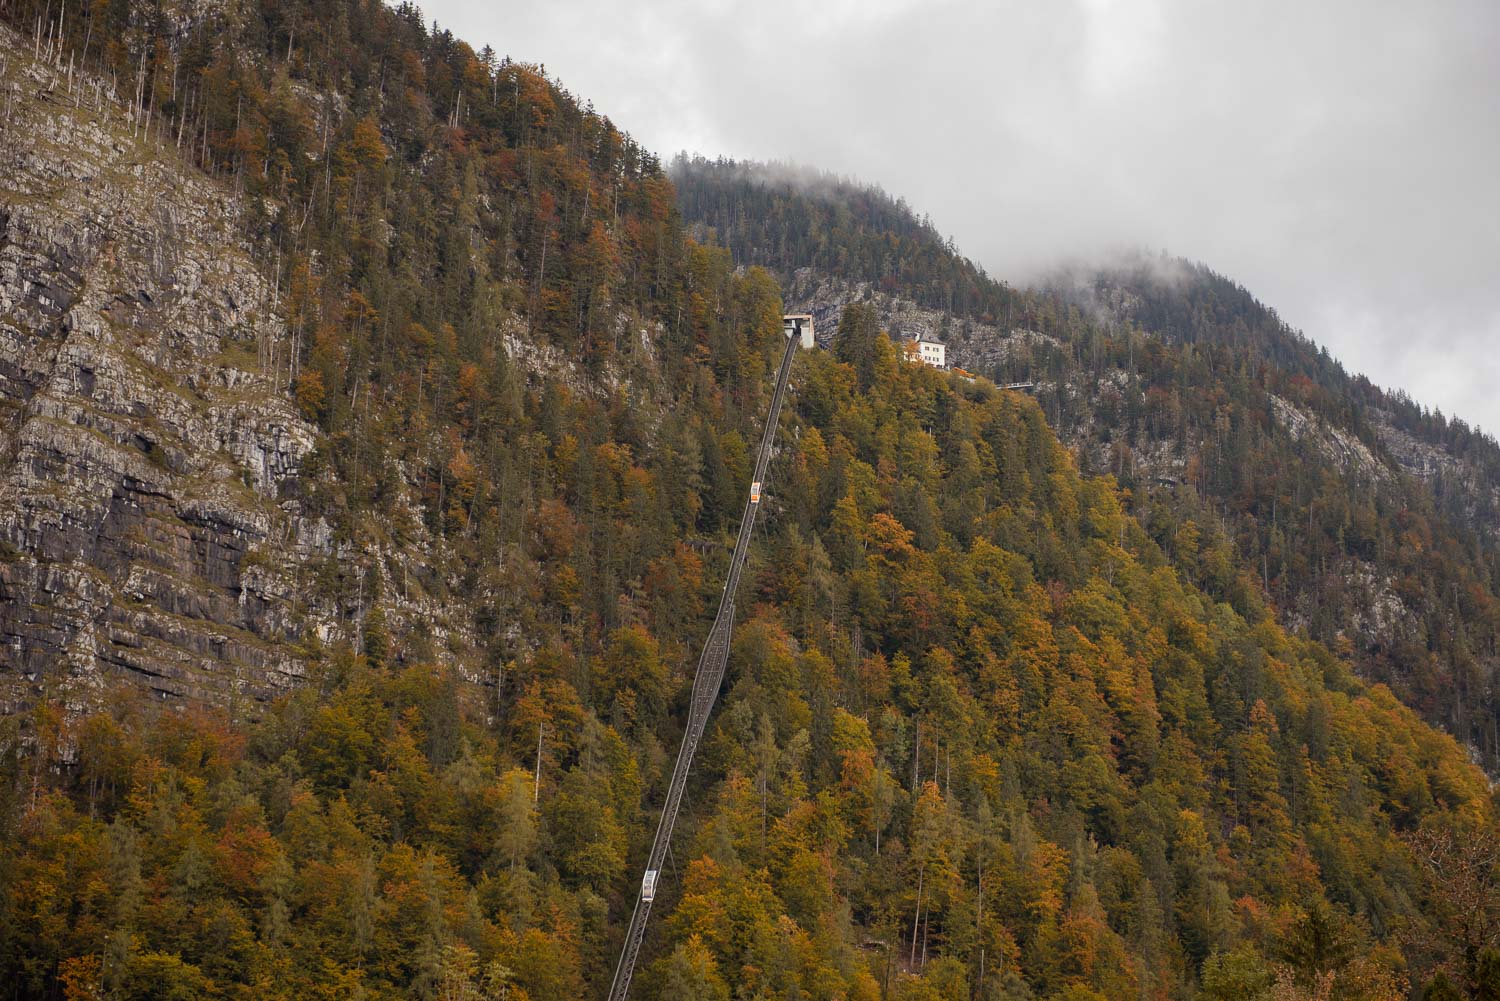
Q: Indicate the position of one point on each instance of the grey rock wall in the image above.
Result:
(150, 532)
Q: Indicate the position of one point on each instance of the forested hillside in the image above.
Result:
(1366, 520)
(982, 735)
(786, 218)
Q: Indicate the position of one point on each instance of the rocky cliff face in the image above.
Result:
(974, 346)
(150, 528)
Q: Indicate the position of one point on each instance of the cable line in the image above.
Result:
(705, 688)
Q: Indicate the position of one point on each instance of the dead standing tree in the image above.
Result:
(1461, 870)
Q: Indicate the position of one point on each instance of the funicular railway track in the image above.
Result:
(706, 681)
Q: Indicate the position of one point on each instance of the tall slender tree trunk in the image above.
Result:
(917, 917)
(536, 788)
(916, 761)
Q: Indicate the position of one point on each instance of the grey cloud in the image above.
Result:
(1338, 159)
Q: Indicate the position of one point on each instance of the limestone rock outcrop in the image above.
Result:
(150, 521)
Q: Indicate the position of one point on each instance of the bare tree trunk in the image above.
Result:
(926, 927)
(979, 923)
(916, 761)
(917, 917)
(536, 788)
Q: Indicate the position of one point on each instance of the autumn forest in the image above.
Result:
(1000, 722)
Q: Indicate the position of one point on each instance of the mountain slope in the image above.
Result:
(1368, 521)
(979, 736)
(144, 450)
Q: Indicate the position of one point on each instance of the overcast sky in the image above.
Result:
(1339, 159)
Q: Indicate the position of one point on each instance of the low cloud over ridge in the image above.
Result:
(1338, 160)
